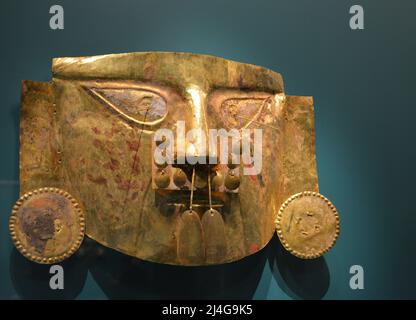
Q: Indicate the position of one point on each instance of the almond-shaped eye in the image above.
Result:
(238, 113)
(141, 106)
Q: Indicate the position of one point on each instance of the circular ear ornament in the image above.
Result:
(47, 225)
(307, 225)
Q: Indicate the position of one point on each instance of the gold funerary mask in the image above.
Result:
(87, 161)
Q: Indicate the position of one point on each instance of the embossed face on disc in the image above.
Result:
(47, 225)
(307, 225)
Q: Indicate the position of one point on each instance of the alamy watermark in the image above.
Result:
(56, 282)
(56, 22)
(357, 18)
(357, 280)
(194, 147)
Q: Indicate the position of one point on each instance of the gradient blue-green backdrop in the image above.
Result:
(363, 83)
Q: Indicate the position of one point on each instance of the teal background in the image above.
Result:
(363, 83)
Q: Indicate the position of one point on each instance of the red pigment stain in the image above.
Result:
(98, 180)
(124, 185)
(133, 145)
(127, 185)
(115, 130)
(95, 130)
(136, 166)
(112, 165)
(97, 143)
(254, 247)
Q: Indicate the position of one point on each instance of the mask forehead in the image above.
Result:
(179, 70)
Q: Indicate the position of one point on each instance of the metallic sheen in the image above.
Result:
(90, 132)
(47, 225)
(307, 225)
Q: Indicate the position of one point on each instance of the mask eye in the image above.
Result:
(138, 105)
(238, 113)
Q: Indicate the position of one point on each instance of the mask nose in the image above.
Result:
(193, 145)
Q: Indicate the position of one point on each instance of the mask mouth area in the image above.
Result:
(168, 200)
(223, 178)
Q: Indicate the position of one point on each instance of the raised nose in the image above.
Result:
(196, 144)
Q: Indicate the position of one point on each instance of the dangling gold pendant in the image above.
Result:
(190, 246)
(214, 236)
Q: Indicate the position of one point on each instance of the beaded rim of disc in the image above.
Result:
(39, 258)
(279, 227)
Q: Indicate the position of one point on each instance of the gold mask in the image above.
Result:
(87, 139)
